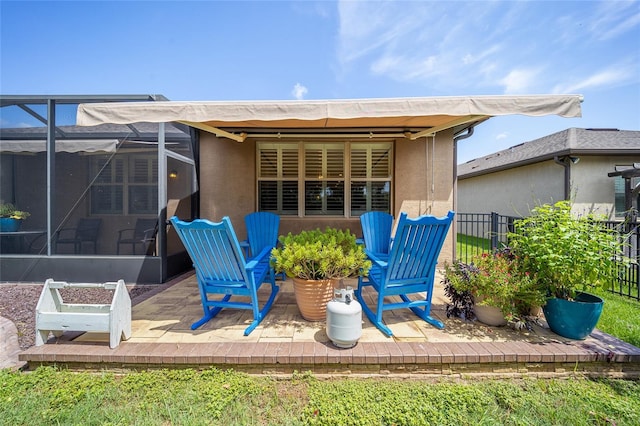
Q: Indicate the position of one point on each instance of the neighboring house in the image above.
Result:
(315, 163)
(572, 164)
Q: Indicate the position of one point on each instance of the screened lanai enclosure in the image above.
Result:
(97, 196)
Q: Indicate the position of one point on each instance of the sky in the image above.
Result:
(282, 50)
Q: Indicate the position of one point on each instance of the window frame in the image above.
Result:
(127, 182)
(302, 179)
(620, 181)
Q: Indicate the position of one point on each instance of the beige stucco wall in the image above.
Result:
(424, 180)
(227, 180)
(591, 188)
(516, 191)
(512, 192)
(228, 183)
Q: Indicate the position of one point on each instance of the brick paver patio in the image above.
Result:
(284, 343)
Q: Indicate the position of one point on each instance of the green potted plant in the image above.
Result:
(492, 287)
(11, 218)
(568, 255)
(316, 260)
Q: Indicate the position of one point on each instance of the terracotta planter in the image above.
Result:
(312, 297)
(489, 315)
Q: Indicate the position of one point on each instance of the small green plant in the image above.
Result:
(48, 396)
(461, 300)
(319, 255)
(496, 279)
(567, 254)
(8, 210)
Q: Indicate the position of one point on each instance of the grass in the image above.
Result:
(50, 396)
(469, 245)
(620, 317)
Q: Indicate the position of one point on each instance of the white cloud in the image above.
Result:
(430, 43)
(614, 19)
(299, 91)
(609, 77)
(486, 47)
(368, 26)
(502, 135)
(519, 80)
(469, 58)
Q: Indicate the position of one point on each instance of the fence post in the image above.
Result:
(494, 231)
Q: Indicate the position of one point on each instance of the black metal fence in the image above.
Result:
(483, 232)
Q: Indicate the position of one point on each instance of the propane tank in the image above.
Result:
(344, 318)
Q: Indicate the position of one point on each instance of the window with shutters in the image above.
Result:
(125, 185)
(324, 178)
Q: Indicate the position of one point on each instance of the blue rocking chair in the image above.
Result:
(262, 231)
(376, 233)
(221, 269)
(410, 268)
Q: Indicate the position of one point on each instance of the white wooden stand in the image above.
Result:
(53, 315)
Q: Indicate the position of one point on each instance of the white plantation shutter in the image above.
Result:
(107, 190)
(125, 185)
(380, 162)
(370, 178)
(324, 183)
(331, 176)
(142, 189)
(268, 163)
(278, 178)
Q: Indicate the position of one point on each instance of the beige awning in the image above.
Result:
(75, 145)
(430, 114)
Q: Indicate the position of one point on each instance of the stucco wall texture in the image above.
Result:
(422, 184)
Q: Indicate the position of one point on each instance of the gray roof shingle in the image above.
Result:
(573, 141)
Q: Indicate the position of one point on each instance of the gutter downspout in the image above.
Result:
(566, 163)
(454, 225)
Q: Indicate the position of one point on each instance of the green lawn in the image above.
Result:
(620, 317)
(187, 397)
(468, 245)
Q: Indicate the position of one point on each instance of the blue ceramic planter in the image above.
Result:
(574, 319)
(8, 224)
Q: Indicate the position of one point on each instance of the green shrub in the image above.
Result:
(319, 255)
(566, 253)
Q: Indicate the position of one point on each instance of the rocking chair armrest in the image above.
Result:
(244, 245)
(261, 257)
(378, 262)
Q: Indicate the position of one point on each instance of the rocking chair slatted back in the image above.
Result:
(262, 231)
(376, 232)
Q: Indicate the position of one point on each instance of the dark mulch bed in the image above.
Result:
(18, 303)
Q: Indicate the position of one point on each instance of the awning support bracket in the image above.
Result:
(218, 132)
